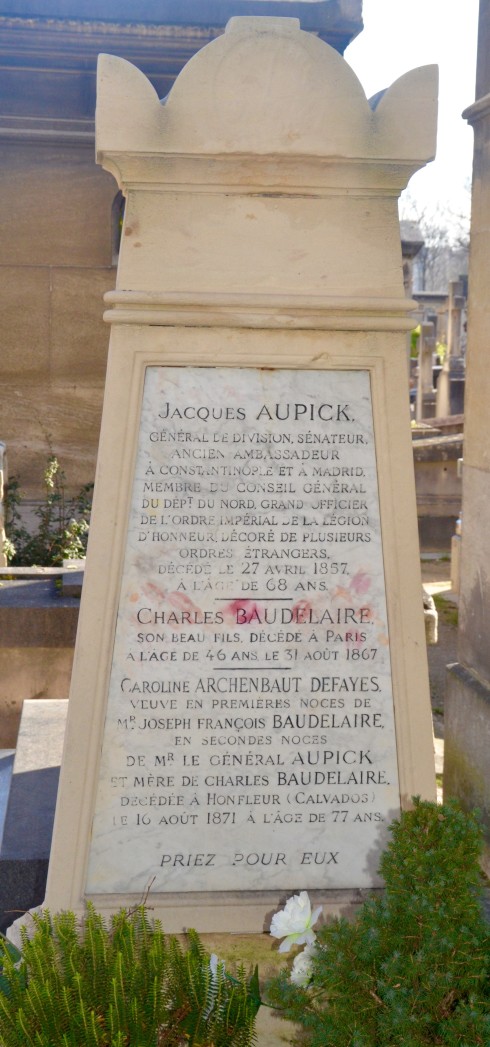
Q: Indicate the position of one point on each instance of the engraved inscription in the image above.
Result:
(249, 741)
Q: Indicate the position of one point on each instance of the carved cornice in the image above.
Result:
(48, 61)
(478, 110)
(337, 22)
(292, 312)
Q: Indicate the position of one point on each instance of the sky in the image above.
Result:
(399, 35)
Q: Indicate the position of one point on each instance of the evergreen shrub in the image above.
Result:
(413, 967)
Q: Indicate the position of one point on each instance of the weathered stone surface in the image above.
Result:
(468, 733)
(438, 488)
(67, 413)
(57, 237)
(290, 637)
(59, 210)
(25, 331)
(467, 743)
(78, 342)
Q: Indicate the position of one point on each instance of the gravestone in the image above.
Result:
(451, 381)
(249, 705)
(426, 397)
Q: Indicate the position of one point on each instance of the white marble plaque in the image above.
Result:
(249, 741)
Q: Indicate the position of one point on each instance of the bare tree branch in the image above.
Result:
(446, 235)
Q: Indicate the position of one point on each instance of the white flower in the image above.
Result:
(295, 922)
(301, 970)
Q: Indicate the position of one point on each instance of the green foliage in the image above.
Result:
(413, 968)
(63, 526)
(124, 986)
(441, 350)
(14, 955)
(447, 611)
(414, 342)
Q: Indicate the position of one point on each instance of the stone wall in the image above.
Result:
(57, 242)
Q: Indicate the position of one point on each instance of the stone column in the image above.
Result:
(467, 713)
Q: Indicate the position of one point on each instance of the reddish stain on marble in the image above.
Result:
(152, 590)
(182, 602)
(301, 611)
(242, 612)
(360, 583)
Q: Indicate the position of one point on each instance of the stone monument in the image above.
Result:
(249, 706)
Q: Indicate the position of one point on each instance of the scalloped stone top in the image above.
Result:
(266, 88)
